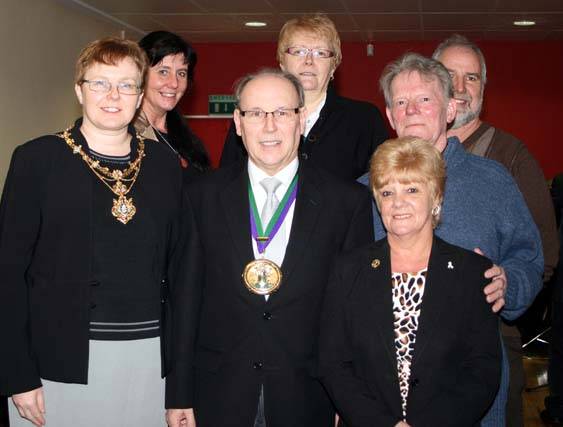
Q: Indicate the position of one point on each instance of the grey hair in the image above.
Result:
(414, 62)
(457, 40)
(276, 72)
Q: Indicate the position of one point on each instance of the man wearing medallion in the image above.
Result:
(244, 355)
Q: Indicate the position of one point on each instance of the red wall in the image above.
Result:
(523, 94)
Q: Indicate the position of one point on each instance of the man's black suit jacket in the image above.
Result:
(229, 341)
(341, 141)
(455, 371)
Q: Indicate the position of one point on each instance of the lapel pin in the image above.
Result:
(450, 265)
(375, 263)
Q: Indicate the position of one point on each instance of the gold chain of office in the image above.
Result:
(120, 182)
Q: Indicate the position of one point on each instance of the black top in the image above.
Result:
(341, 141)
(125, 301)
(190, 171)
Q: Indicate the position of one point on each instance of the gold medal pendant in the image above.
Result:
(123, 209)
(262, 277)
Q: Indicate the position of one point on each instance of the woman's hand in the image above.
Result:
(180, 417)
(31, 406)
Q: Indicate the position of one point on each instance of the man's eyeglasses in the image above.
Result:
(281, 115)
(304, 51)
(103, 86)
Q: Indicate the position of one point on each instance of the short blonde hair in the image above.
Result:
(406, 160)
(320, 25)
(110, 51)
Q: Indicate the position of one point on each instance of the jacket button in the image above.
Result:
(304, 156)
(267, 316)
(257, 365)
(95, 283)
(92, 305)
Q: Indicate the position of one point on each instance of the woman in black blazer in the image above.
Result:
(407, 336)
(90, 237)
(340, 134)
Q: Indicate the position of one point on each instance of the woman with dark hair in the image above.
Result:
(172, 63)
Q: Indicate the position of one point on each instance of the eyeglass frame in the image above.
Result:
(110, 87)
(296, 110)
(311, 51)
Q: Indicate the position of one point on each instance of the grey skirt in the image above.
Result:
(124, 390)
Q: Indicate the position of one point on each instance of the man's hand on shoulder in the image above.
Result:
(495, 291)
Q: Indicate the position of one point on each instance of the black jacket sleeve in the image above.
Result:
(185, 299)
(19, 229)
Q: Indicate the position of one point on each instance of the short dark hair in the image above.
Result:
(159, 44)
(276, 72)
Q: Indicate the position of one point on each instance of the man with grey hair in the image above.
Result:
(263, 234)
(482, 210)
(466, 64)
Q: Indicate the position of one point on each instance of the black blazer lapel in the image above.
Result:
(324, 123)
(439, 281)
(377, 278)
(308, 205)
(377, 313)
(235, 209)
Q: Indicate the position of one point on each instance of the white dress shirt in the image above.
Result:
(285, 176)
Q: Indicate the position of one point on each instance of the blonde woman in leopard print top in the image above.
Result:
(407, 337)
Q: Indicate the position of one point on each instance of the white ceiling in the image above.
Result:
(357, 20)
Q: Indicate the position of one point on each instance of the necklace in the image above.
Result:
(119, 182)
(158, 133)
(183, 161)
(165, 140)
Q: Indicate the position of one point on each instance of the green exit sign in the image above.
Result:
(221, 104)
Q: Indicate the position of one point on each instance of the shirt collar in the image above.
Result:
(285, 175)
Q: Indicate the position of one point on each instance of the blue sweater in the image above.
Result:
(483, 208)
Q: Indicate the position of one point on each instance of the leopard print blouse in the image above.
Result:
(408, 289)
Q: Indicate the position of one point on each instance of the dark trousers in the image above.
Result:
(513, 345)
(554, 402)
(3, 411)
